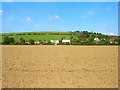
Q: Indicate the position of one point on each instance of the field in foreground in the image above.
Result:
(60, 66)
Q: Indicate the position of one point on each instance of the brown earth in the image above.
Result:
(59, 66)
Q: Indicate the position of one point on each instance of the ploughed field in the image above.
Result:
(59, 66)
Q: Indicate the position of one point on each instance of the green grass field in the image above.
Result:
(39, 37)
(47, 36)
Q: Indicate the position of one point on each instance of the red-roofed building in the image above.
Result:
(96, 39)
(112, 40)
(36, 42)
(27, 42)
(45, 41)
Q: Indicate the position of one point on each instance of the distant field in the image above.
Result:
(46, 35)
(59, 66)
(40, 37)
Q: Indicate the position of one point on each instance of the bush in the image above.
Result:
(31, 41)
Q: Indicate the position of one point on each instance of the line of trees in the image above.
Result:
(38, 34)
(10, 41)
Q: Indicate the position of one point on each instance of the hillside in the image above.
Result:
(38, 35)
(76, 37)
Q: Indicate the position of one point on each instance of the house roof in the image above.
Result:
(45, 41)
(112, 40)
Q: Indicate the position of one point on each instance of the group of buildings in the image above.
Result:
(96, 39)
(111, 40)
(52, 41)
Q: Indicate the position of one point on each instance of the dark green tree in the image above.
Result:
(11, 40)
(62, 38)
(71, 37)
(6, 40)
(22, 41)
(31, 41)
(40, 42)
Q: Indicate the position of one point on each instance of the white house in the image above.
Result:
(66, 40)
(96, 39)
(54, 41)
(36, 42)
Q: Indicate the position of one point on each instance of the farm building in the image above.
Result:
(96, 39)
(54, 41)
(27, 42)
(66, 40)
(87, 39)
(45, 41)
(17, 41)
(103, 39)
(112, 40)
(82, 41)
(36, 42)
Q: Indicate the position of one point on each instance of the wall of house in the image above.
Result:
(66, 41)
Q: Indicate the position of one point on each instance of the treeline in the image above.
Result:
(38, 34)
(10, 41)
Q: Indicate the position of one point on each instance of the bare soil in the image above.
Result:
(59, 66)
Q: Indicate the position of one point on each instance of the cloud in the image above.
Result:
(7, 0)
(113, 23)
(1, 11)
(109, 33)
(56, 17)
(28, 19)
(90, 13)
(36, 25)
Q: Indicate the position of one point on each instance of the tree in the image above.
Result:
(40, 42)
(31, 41)
(22, 41)
(77, 31)
(6, 40)
(62, 38)
(71, 37)
(11, 40)
(85, 32)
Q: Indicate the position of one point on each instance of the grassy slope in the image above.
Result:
(40, 37)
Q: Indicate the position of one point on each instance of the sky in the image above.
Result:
(59, 0)
(60, 16)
